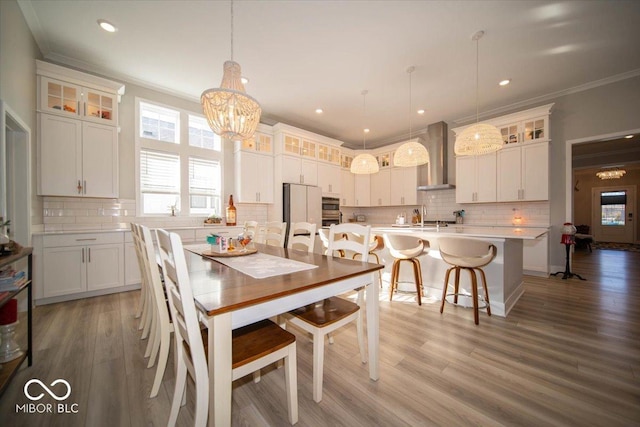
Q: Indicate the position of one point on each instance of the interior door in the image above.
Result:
(613, 211)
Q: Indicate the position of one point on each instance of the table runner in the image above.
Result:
(258, 265)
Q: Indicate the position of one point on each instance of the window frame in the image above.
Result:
(183, 150)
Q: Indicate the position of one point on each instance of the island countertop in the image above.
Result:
(490, 232)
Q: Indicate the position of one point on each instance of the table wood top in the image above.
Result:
(218, 289)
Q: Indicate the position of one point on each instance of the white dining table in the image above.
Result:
(228, 299)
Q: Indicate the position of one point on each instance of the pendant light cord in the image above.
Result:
(231, 30)
(410, 103)
(364, 115)
(477, 79)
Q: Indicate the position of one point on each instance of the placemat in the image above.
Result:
(258, 265)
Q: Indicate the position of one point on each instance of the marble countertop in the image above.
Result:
(122, 230)
(492, 232)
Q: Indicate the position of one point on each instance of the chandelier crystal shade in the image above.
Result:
(230, 112)
(611, 174)
(411, 153)
(364, 164)
(480, 138)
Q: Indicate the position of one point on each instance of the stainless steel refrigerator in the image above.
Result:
(302, 203)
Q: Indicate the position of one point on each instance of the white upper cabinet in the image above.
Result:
(348, 188)
(476, 179)
(523, 173)
(517, 172)
(76, 158)
(404, 186)
(253, 177)
(259, 142)
(77, 148)
(362, 190)
(381, 188)
(71, 93)
(330, 179)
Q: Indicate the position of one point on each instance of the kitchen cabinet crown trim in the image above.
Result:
(79, 78)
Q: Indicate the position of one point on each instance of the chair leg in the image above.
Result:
(444, 289)
(140, 304)
(318, 361)
(147, 315)
(474, 293)
(163, 357)
(202, 401)
(486, 290)
(152, 335)
(291, 383)
(418, 279)
(395, 272)
(156, 343)
(178, 392)
(456, 288)
(257, 376)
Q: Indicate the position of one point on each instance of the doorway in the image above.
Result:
(15, 175)
(613, 212)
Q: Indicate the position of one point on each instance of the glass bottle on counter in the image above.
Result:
(231, 212)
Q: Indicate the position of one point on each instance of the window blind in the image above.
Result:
(204, 177)
(159, 172)
(613, 198)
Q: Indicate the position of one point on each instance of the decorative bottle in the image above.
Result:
(231, 212)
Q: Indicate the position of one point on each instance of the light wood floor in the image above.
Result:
(568, 354)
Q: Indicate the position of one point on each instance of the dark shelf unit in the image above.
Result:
(9, 369)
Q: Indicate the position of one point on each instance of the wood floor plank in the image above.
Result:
(568, 354)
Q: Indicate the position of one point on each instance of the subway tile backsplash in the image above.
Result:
(73, 214)
(441, 204)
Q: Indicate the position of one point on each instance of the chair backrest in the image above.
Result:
(181, 303)
(360, 246)
(466, 252)
(275, 233)
(136, 244)
(152, 272)
(582, 229)
(251, 227)
(306, 237)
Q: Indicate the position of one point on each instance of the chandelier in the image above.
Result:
(611, 174)
(411, 153)
(364, 163)
(480, 138)
(230, 112)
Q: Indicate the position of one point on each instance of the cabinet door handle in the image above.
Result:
(85, 240)
(84, 187)
(79, 187)
(85, 108)
(89, 252)
(83, 255)
(330, 189)
(78, 109)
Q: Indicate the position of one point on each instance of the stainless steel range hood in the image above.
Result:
(434, 175)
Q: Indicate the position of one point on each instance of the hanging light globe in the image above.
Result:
(410, 154)
(364, 164)
(478, 139)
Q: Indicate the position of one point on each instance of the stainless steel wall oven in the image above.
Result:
(330, 211)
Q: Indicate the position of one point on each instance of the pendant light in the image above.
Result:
(411, 153)
(480, 138)
(615, 173)
(364, 163)
(231, 113)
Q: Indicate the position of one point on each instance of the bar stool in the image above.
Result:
(405, 248)
(471, 255)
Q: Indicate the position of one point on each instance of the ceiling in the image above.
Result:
(303, 55)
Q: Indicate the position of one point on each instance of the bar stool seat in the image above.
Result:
(470, 255)
(405, 248)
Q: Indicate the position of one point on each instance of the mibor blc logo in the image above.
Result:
(35, 390)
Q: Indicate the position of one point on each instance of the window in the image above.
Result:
(201, 135)
(179, 162)
(159, 181)
(204, 189)
(612, 208)
(162, 124)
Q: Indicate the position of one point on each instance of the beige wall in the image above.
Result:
(18, 51)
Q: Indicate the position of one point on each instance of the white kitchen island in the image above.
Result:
(504, 273)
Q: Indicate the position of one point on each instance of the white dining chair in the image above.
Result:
(302, 235)
(145, 302)
(162, 328)
(252, 228)
(253, 346)
(275, 233)
(324, 317)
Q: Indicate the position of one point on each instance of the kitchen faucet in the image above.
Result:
(423, 214)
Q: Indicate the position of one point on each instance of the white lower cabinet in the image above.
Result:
(132, 274)
(79, 263)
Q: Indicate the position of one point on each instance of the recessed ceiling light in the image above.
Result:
(420, 111)
(629, 136)
(366, 130)
(505, 82)
(244, 80)
(319, 111)
(107, 26)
